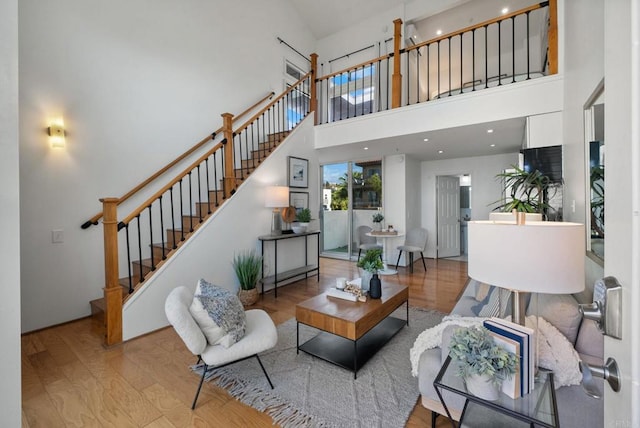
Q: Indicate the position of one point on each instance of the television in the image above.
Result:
(547, 160)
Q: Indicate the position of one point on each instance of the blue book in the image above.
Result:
(532, 346)
(523, 341)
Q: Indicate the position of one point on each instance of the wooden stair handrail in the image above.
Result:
(271, 104)
(479, 25)
(94, 220)
(179, 177)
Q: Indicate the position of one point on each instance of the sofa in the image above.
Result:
(576, 408)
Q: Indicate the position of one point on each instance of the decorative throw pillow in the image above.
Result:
(495, 303)
(219, 314)
(556, 353)
(482, 291)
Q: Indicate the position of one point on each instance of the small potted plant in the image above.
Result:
(303, 217)
(481, 361)
(247, 265)
(377, 220)
(371, 263)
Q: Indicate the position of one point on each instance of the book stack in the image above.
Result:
(521, 341)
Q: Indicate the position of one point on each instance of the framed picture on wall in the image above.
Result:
(299, 200)
(298, 172)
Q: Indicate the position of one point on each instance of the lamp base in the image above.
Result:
(276, 223)
(518, 306)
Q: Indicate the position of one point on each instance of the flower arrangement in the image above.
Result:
(378, 217)
(478, 354)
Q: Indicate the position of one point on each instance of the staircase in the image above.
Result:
(174, 238)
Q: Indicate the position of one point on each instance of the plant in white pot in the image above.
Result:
(303, 218)
(481, 361)
(377, 221)
(371, 263)
(247, 265)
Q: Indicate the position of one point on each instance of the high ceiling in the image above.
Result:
(326, 17)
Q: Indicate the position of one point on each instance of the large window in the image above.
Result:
(353, 94)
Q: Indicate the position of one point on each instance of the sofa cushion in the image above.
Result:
(561, 310)
(219, 314)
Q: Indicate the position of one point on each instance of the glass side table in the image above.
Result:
(538, 408)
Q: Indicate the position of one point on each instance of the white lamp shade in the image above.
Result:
(539, 256)
(277, 197)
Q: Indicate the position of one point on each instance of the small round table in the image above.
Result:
(385, 237)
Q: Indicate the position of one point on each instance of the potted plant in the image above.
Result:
(371, 263)
(377, 220)
(481, 361)
(247, 265)
(528, 191)
(303, 217)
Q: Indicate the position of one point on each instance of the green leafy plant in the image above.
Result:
(597, 201)
(378, 217)
(304, 215)
(477, 353)
(247, 265)
(528, 191)
(372, 261)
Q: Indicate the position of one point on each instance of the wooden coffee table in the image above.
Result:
(352, 332)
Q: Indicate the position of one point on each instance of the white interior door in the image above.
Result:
(448, 208)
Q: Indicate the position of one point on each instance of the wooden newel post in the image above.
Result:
(396, 82)
(313, 106)
(112, 288)
(553, 37)
(229, 173)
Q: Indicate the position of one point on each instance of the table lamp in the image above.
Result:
(534, 257)
(277, 197)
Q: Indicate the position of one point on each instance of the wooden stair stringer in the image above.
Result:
(97, 305)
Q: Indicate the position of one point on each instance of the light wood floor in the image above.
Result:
(70, 380)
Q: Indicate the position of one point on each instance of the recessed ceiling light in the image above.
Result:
(489, 131)
(366, 148)
(505, 10)
(492, 145)
(415, 36)
(425, 140)
(440, 151)
(439, 32)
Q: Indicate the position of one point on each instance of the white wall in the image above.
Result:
(209, 254)
(544, 130)
(394, 195)
(137, 83)
(485, 188)
(10, 387)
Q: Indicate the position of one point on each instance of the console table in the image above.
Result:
(278, 277)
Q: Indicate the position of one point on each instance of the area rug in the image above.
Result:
(309, 392)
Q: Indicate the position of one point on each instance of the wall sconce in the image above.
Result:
(56, 134)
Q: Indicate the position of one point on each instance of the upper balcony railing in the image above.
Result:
(513, 47)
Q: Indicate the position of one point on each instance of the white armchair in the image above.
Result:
(260, 335)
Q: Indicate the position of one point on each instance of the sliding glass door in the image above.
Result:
(351, 193)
